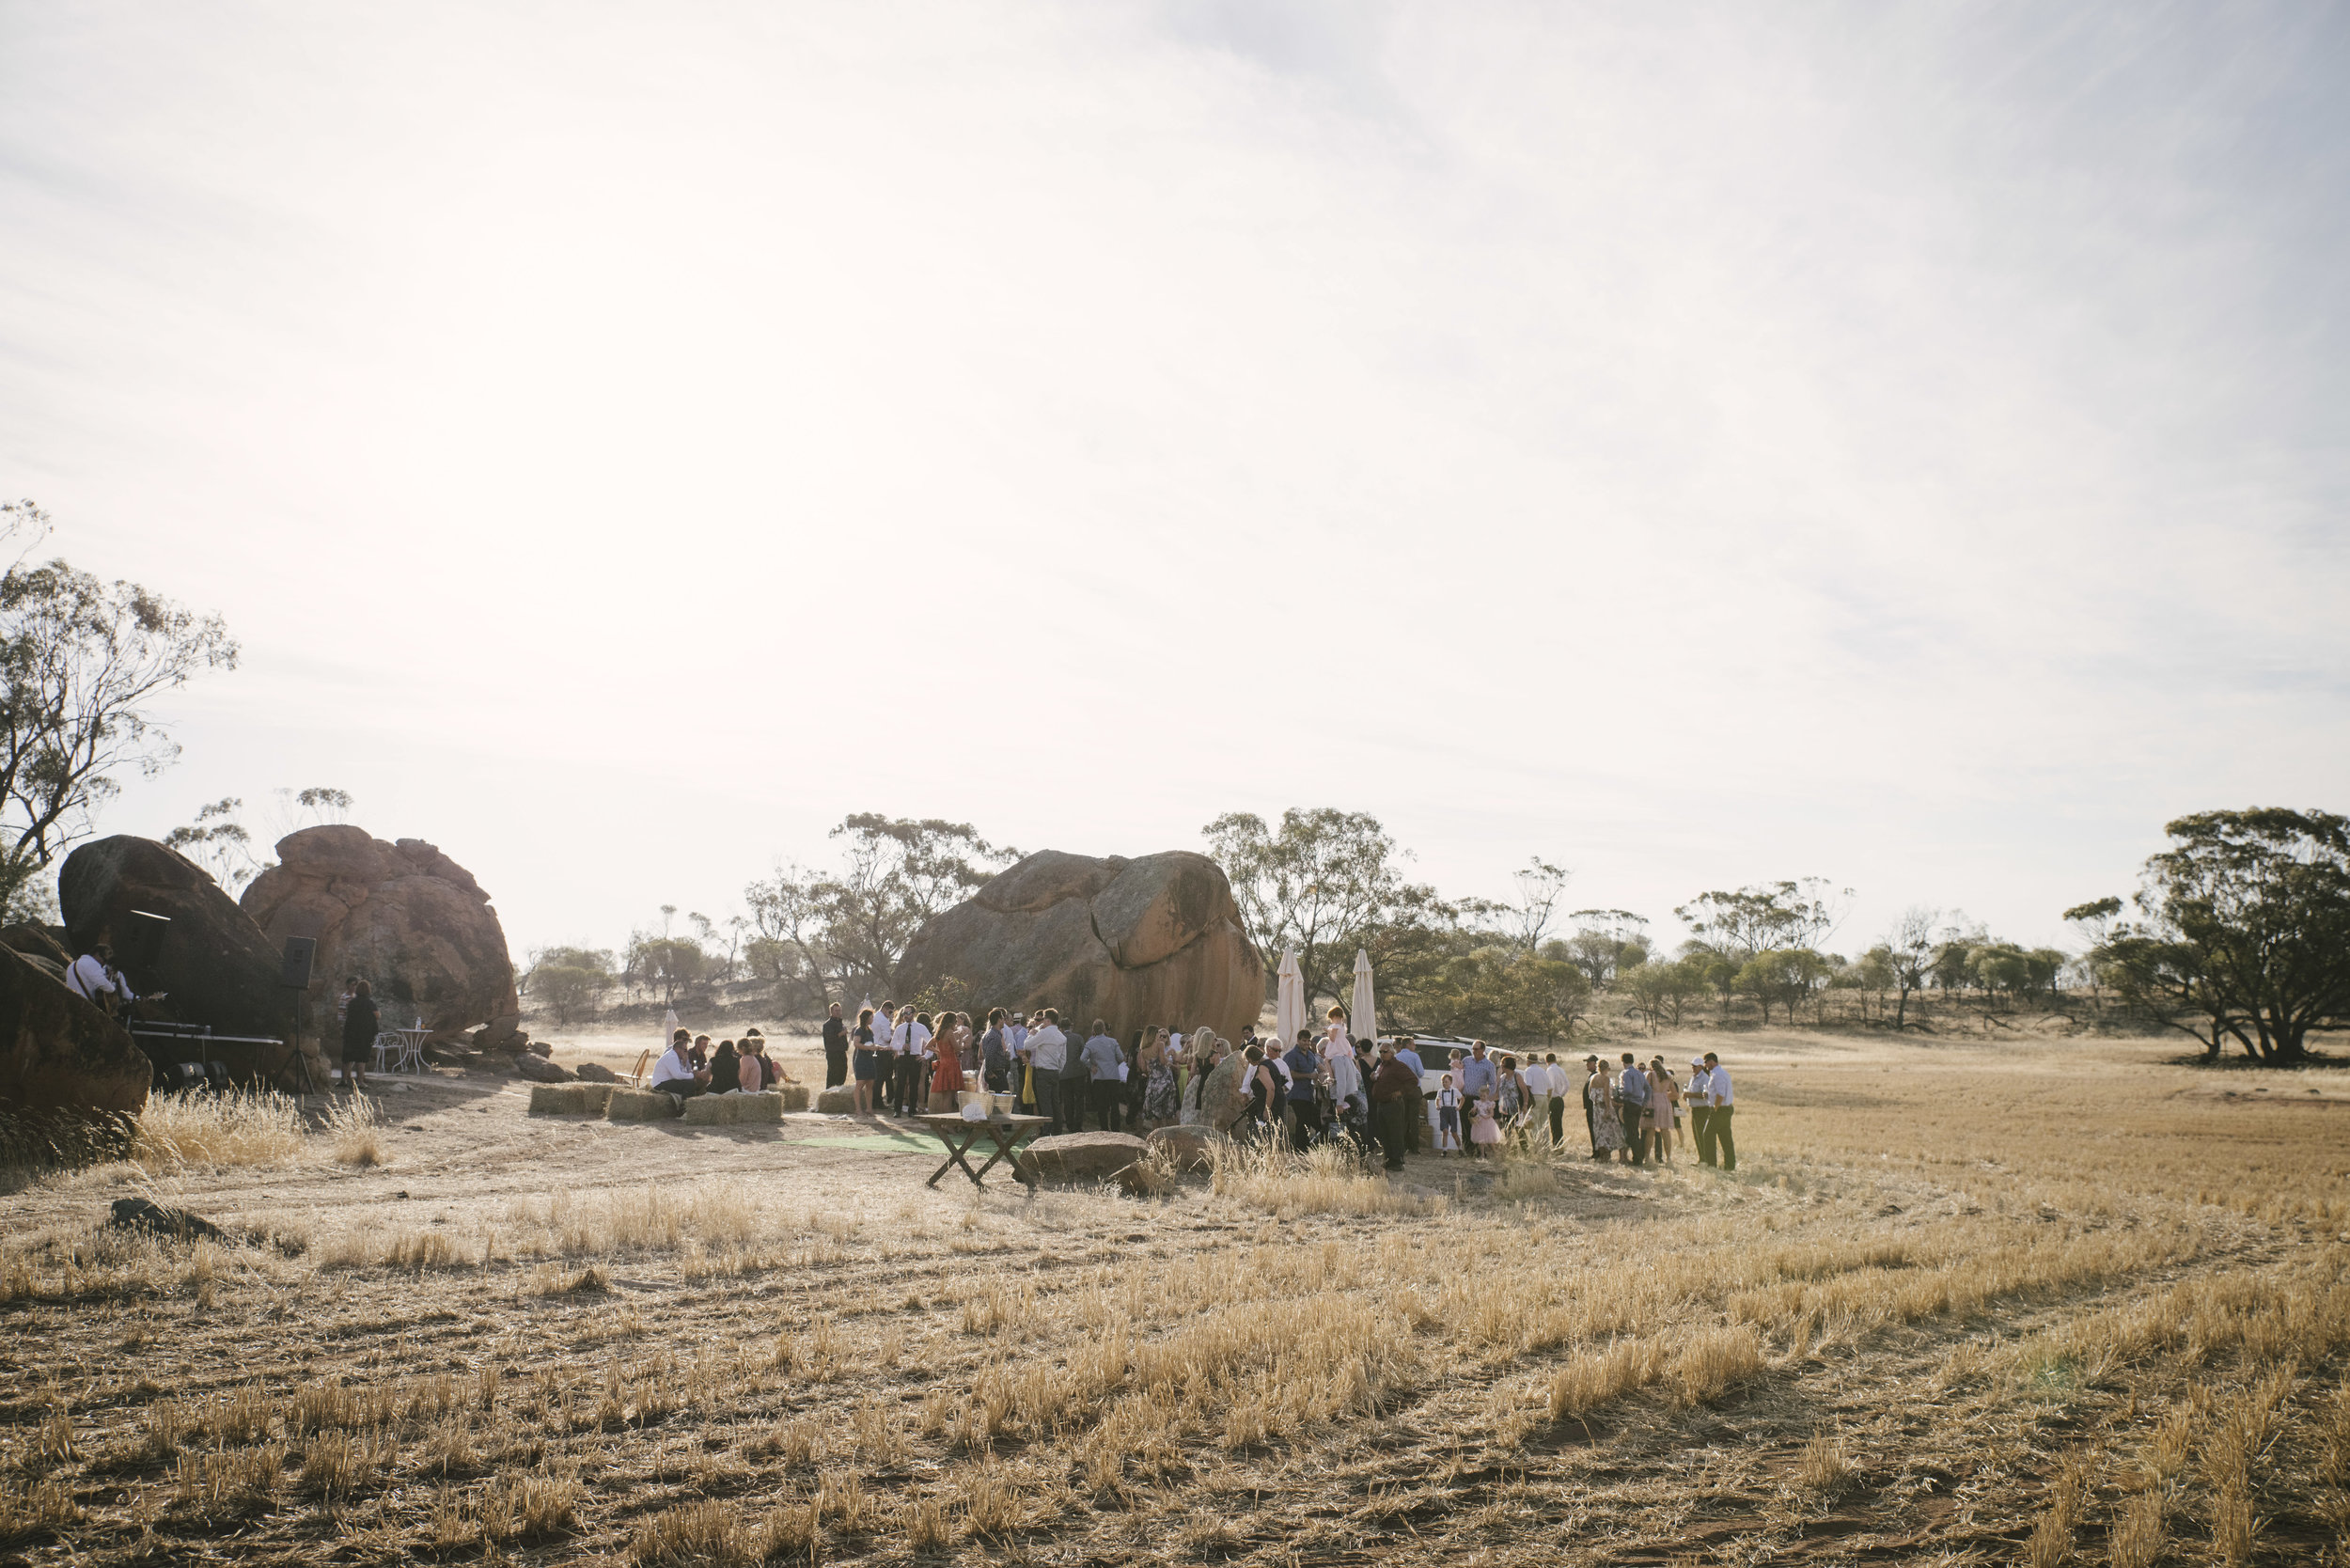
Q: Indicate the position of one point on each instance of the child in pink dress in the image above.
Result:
(1485, 1132)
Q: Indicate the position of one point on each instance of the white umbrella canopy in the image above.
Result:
(1289, 1000)
(1363, 1017)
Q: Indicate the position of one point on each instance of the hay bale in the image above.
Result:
(766, 1106)
(570, 1099)
(837, 1101)
(640, 1104)
(713, 1110)
(793, 1097)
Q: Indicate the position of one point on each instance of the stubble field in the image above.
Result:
(2062, 1302)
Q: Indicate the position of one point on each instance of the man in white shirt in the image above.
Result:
(675, 1073)
(910, 1039)
(1046, 1050)
(1554, 1085)
(1712, 1122)
(94, 977)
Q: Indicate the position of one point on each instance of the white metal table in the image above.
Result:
(403, 1048)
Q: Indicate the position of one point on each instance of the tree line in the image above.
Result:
(2243, 932)
(2238, 932)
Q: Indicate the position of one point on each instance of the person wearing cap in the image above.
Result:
(1712, 1130)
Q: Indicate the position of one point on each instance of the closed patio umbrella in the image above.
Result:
(1363, 1017)
(1289, 1000)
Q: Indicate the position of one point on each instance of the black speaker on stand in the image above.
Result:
(300, 952)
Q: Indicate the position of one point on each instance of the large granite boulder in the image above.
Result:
(402, 916)
(58, 1052)
(40, 944)
(1137, 943)
(1081, 1156)
(1221, 1098)
(1186, 1148)
(217, 965)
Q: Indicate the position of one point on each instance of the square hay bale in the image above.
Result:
(712, 1110)
(639, 1105)
(767, 1106)
(839, 1101)
(570, 1099)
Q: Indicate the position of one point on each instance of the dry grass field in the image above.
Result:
(2051, 1303)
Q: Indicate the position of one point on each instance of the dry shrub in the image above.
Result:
(194, 1132)
(793, 1531)
(706, 1535)
(36, 1146)
(1825, 1469)
(923, 1526)
(842, 1498)
(1595, 1377)
(1712, 1359)
(336, 1464)
(29, 1513)
(419, 1250)
(991, 1507)
(354, 1128)
(2050, 1542)
(2241, 1432)
(528, 1506)
(1521, 1178)
(53, 1437)
(2139, 1536)
(797, 1443)
(1323, 1181)
(242, 1414)
(228, 1482)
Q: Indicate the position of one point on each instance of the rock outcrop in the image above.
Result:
(1145, 942)
(217, 965)
(58, 1052)
(1221, 1098)
(404, 917)
(1186, 1148)
(1081, 1156)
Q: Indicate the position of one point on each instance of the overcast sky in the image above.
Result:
(1694, 444)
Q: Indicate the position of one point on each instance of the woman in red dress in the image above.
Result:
(954, 1033)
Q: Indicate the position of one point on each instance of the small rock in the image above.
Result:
(1187, 1147)
(138, 1214)
(595, 1073)
(1082, 1157)
(539, 1070)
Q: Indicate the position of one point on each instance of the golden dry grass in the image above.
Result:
(1934, 1313)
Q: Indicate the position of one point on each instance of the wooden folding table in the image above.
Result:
(1006, 1132)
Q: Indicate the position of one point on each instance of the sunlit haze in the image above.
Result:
(1696, 444)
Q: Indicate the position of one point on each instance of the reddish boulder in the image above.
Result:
(58, 1053)
(1156, 940)
(402, 916)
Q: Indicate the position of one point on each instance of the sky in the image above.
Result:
(1693, 444)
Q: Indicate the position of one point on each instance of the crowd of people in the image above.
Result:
(693, 1066)
(1319, 1088)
